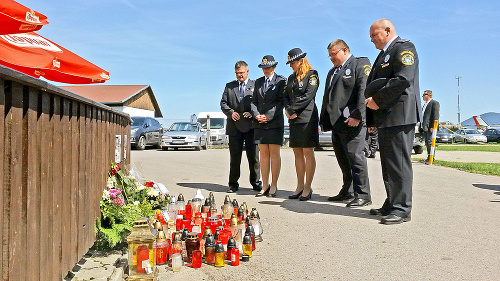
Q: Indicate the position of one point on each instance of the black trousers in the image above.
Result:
(252, 151)
(396, 144)
(348, 144)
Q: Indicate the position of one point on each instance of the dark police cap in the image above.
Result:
(396, 85)
(268, 61)
(375, 86)
(295, 54)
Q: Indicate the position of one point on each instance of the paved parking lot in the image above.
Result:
(453, 235)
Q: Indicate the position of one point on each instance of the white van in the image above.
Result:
(218, 125)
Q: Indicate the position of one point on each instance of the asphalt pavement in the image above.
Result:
(453, 235)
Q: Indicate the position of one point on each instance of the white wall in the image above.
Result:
(132, 111)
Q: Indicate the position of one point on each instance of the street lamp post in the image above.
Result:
(458, 80)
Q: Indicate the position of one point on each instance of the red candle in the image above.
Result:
(142, 255)
(179, 224)
(196, 259)
(235, 256)
(188, 212)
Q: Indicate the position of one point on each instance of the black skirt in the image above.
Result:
(304, 135)
(268, 136)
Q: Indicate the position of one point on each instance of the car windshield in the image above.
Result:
(215, 123)
(470, 132)
(183, 127)
(138, 121)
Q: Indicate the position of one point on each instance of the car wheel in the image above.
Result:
(158, 145)
(418, 149)
(141, 144)
(164, 148)
(176, 148)
(198, 148)
(205, 146)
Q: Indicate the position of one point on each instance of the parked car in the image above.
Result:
(444, 135)
(418, 141)
(145, 131)
(184, 135)
(286, 135)
(492, 134)
(469, 136)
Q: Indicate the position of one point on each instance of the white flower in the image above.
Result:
(141, 187)
(135, 203)
(105, 194)
(153, 192)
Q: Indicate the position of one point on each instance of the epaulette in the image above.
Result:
(281, 76)
(403, 40)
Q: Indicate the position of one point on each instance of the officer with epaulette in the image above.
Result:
(392, 98)
(267, 111)
(344, 113)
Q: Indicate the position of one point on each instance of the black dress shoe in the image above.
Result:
(394, 219)
(265, 193)
(272, 194)
(257, 187)
(340, 198)
(232, 189)
(295, 196)
(379, 212)
(359, 202)
(305, 198)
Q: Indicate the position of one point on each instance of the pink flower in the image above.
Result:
(113, 193)
(118, 201)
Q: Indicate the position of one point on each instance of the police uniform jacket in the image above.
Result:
(398, 98)
(231, 102)
(299, 98)
(431, 113)
(346, 90)
(269, 103)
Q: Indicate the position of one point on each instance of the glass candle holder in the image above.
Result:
(196, 259)
(176, 262)
(235, 257)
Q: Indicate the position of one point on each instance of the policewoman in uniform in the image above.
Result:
(267, 111)
(302, 114)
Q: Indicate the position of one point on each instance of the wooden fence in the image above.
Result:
(56, 149)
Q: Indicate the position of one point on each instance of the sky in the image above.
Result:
(186, 50)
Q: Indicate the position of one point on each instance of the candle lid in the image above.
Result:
(247, 240)
(210, 241)
(231, 243)
(235, 203)
(180, 197)
(192, 235)
(250, 230)
(219, 248)
(245, 258)
(161, 236)
(227, 200)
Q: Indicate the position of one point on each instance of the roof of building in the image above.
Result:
(490, 118)
(116, 94)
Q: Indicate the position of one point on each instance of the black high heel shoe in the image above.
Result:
(305, 198)
(273, 194)
(264, 192)
(295, 196)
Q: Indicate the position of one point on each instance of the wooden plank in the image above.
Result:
(88, 182)
(2, 119)
(82, 184)
(74, 182)
(57, 189)
(5, 172)
(94, 167)
(17, 220)
(46, 219)
(33, 184)
(66, 182)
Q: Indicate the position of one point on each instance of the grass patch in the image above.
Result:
(492, 169)
(469, 147)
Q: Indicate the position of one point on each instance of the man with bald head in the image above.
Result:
(393, 107)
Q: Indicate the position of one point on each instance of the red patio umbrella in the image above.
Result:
(16, 18)
(37, 56)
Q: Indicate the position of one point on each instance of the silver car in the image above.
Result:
(469, 136)
(184, 135)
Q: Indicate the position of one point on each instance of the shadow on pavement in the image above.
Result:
(318, 204)
(493, 187)
(217, 187)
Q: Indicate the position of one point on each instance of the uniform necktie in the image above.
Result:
(266, 86)
(242, 90)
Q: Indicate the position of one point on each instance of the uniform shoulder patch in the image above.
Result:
(313, 81)
(367, 68)
(407, 57)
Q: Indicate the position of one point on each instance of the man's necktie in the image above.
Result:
(266, 86)
(242, 90)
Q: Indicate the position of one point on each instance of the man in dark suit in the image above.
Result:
(235, 103)
(431, 113)
(344, 113)
(394, 108)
